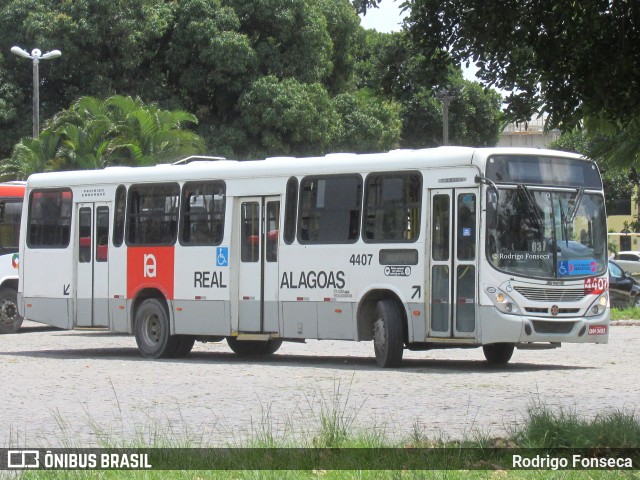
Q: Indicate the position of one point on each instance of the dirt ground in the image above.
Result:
(85, 388)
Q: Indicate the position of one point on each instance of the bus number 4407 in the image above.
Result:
(361, 259)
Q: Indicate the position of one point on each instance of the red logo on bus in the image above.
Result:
(150, 267)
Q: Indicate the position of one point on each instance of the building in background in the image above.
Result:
(527, 134)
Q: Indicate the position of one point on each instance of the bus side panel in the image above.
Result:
(48, 287)
(8, 267)
(201, 291)
(337, 320)
(200, 317)
(118, 318)
(300, 319)
(57, 312)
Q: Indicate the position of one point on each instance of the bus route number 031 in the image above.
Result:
(363, 259)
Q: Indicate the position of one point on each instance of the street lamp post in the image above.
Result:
(446, 95)
(36, 55)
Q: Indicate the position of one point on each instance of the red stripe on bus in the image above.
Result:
(15, 191)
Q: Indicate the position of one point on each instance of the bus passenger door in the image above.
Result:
(258, 269)
(92, 266)
(453, 255)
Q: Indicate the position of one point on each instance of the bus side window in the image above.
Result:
(330, 209)
(49, 218)
(392, 207)
(291, 208)
(118, 215)
(102, 234)
(84, 245)
(202, 219)
(153, 214)
(273, 222)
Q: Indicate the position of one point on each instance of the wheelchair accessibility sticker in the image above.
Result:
(222, 257)
(577, 267)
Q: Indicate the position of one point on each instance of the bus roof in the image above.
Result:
(336, 163)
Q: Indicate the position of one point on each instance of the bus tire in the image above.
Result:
(10, 319)
(498, 353)
(253, 347)
(388, 336)
(184, 347)
(152, 330)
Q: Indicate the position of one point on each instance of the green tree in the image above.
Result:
(391, 66)
(620, 183)
(575, 61)
(202, 56)
(31, 156)
(93, 134)
(366, 125)
(286, 117)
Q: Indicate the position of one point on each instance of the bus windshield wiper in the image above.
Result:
(532, 204)
(566, 219)
(571, 214)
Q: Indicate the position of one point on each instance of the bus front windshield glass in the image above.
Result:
(547, 234)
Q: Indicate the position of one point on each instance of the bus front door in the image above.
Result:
(92, 266)
(453, 257)
(258, 268)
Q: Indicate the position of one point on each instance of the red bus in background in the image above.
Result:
(11, 199)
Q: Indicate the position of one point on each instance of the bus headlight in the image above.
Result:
(502, 301)
(598, 306)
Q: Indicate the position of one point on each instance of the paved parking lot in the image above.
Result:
(77, 387)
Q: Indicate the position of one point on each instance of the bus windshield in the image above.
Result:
(547, 234)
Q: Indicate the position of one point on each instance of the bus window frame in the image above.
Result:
(183, 212)
(391, 173)
(69, 218)
(133, 188)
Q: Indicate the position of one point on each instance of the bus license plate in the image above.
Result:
(598, 330)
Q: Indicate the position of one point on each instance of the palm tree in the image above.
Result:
(148, 135)
(31, 155)
(95, 133)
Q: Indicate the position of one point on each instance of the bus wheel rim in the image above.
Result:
(151, 329)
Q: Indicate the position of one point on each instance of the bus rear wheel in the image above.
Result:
(152, 331)
(388, 337)
(498, 353)
(10, 319)
(253, 347)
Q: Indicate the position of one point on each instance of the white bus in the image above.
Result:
(417, 249)
(11, 198)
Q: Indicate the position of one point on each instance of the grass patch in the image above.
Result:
(564, 428)
(335, 428)
(632, 313)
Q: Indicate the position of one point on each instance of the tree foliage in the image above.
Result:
(576, 61)
(620, 183)
(94, 134)
(263, 77)
(392, 67)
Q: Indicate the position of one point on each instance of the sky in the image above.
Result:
(388, 18)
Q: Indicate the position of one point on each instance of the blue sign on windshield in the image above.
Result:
(577, 267)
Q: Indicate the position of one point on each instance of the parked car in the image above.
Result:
(624, 290)
(629, 261)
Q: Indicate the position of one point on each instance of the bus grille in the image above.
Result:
(551, 295)
(552, 327)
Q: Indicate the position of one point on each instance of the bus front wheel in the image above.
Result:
(10, 319)
(498, 353)
(152, 332)
(388, 338)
